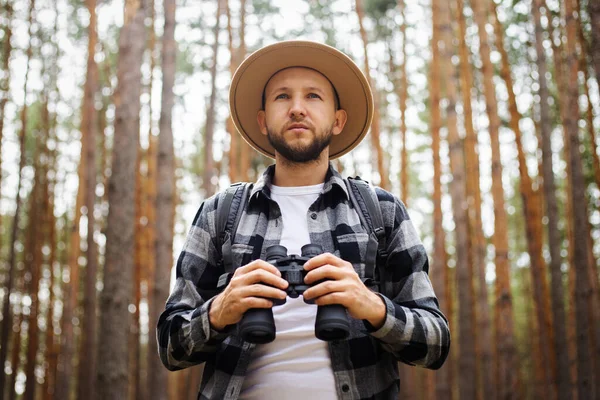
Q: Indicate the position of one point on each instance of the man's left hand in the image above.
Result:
(342, 286)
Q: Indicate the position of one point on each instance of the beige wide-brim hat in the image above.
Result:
(250, 79)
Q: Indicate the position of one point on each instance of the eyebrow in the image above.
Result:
(310, 89)
(336, 97)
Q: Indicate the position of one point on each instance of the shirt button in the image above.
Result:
(345, 387)
(313, 215)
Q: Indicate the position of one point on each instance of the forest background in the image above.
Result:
(114, 127)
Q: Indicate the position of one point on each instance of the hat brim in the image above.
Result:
(249, 80)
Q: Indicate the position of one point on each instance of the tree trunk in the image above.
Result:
(559, 76)
(589, 112)
(16, 355)
(209, 128)
(439, 265)
(233, 155)
(51, 347)
(33, 262)
(51, 355)
(500, 238)
(144, 224)
(49, 386)
(6, 309)
(5, 88)
(561, 350)
(403, 100)
(116, 295)
(87, 358)
(505, 359)
(466, 334)
(66, 357)
(584, 362)
(245, 149)
(375, 130)
(157, 374)
(533, 223)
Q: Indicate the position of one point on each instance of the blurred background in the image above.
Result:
(114, 127)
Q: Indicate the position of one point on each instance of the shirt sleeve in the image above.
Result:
(185, 336)
(415, 330)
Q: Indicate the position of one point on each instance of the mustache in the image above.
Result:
(296, 121)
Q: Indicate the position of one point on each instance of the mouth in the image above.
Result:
(297, 127)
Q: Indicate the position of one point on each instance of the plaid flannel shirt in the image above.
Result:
(365, 364)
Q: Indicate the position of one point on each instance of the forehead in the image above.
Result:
(294, 76)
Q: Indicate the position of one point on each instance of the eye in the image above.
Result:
(281, 96)
(314, 96)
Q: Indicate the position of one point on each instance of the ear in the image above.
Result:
(262, 122)
(340, 121)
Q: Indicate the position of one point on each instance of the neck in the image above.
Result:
(300, 174)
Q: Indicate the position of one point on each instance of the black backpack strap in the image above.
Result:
(229, 212)
(365, 200)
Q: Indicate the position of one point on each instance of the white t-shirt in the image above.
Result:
(296, 365)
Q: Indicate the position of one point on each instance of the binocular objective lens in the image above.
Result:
(311, 250)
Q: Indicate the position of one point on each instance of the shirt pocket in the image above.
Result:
(352, 247)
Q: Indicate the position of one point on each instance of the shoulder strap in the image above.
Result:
(365, 201)
(229, 212)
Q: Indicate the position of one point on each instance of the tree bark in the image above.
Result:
(33, 262)
(583, 293)
(51, 354)
(466, 334)
(5, 86)
(403, 100)
(439, 265)
(233, 155)
(505, 358)
(116, 295)
(375, 129)
(245, 149)
(51, 347)
(87, 358)
(560, 78)
(500, 238)
(589, 112)
(533, 222)
(561, 350)
(157, 374)
(209, 128)
(6, 309)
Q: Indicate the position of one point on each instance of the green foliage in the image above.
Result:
(78, 20)
(377, 9)
(264, 7)
(185, 66)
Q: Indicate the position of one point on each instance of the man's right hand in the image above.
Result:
(251, 286)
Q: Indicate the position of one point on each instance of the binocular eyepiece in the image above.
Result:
(257, 324)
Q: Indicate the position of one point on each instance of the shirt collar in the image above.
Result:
(264, 182)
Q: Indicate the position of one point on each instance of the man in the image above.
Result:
(303, 104)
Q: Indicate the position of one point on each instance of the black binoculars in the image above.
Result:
(257, 324)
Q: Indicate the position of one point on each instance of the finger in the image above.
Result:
(255, 302)
(259, 290)
(322, 259)
(264, 277)
(324, 272)
(332, 298)
(257, 264)
(323, 289)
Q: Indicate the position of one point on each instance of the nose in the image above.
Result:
(297, 107)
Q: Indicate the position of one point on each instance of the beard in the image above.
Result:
(299, 153)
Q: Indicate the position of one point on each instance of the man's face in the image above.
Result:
(300, 118)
